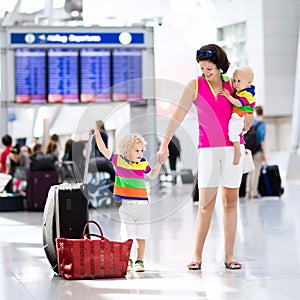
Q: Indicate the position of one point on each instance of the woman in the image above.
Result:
(215, 156)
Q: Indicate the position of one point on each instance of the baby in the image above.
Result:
(243, 102)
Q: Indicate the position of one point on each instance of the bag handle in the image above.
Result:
(88, 235)
(87, 224)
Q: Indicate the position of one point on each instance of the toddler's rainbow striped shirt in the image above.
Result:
(130, 178)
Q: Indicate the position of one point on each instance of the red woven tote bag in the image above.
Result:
(88, 258)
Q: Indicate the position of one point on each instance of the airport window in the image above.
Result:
(233, 39)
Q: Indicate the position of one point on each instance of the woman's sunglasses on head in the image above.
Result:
(207, 53)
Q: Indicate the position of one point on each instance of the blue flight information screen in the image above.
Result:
(63, 75)
(127, 74)
(95, 75)
(78, 75)
(30, 78)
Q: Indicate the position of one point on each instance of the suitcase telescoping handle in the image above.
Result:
(88, 154)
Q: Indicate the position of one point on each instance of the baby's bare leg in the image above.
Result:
(237, 153)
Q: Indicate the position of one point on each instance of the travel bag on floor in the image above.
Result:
(88, 258)
(11, 202)
(38, 185)
(270, 181)
(66, 212)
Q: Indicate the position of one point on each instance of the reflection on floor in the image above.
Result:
(268, 245)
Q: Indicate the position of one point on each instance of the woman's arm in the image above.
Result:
(182, 109)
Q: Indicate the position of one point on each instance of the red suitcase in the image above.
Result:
(38, 185)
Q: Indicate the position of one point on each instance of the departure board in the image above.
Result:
(30, 78)
(127, 74)
(63, 75)
(95, 75)
(78, 75)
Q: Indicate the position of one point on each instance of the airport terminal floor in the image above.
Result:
(267, 244)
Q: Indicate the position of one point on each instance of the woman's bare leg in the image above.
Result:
(207, 198)
(229, 200)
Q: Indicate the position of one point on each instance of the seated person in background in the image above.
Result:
(26, 149)
(55, 138)
(52, 148)
(243, 102)
(40, 161)
(68, 150)
(78, 156)
(37, 148)
(34, 142)
(17, 166)
(101, 128)
(7, 143)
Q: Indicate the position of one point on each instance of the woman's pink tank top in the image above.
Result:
(213, 115)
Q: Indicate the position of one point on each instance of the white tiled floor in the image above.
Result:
(268, 245)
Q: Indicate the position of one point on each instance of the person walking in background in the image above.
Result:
(259, 158)
(174, 154)
(130, 189)
(215, 155)
(101, 128)
(52, 148)
(98, 163)
(243, 102)
(68, 150)
(55, 138)
(7, 143)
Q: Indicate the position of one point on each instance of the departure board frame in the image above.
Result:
(72, 74)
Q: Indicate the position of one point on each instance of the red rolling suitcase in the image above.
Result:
(66, 212)
(38, 185)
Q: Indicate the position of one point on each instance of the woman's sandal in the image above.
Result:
(233, 265)
(195, 265)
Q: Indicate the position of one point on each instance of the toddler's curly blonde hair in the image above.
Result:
(129, 140)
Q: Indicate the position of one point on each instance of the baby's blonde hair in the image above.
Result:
(129, 140)
(246, 71)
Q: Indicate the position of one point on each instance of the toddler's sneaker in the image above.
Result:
(130, 265)
(139, 266)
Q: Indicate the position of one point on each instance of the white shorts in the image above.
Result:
(135, 220)
(216, 168)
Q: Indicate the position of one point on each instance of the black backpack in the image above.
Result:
(251, 140)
